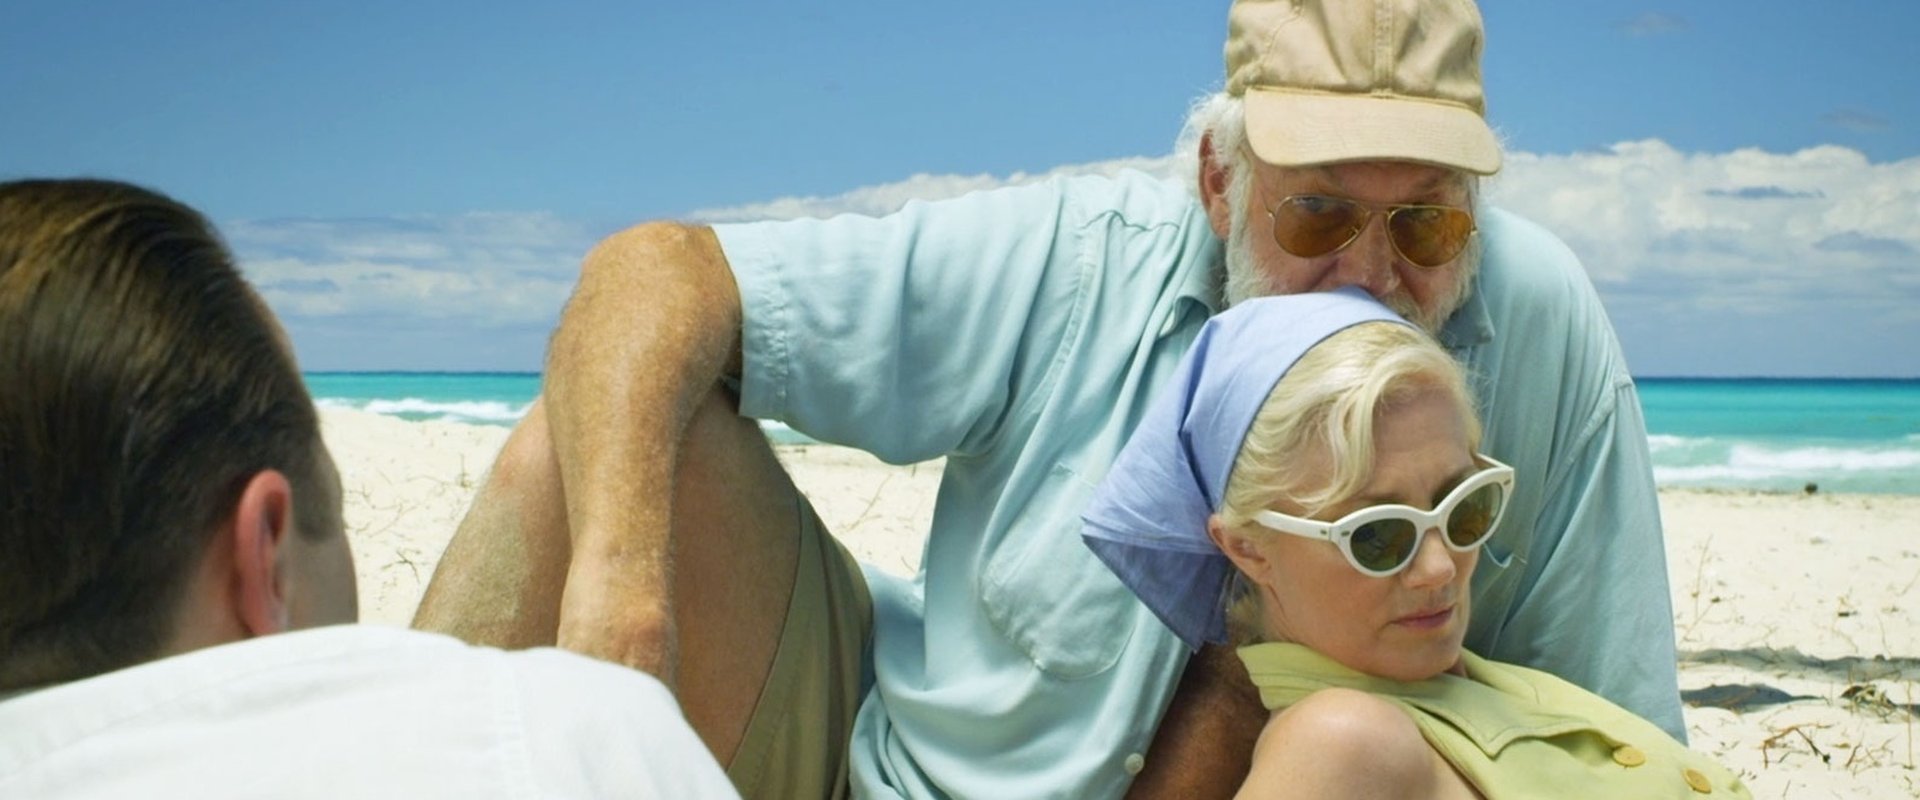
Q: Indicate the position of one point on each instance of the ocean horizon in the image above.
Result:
(1858, 435)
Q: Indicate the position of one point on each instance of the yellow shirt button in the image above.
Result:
(1627, 755)
(1698, 781)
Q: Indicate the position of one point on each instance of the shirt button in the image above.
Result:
(1135, 762)
(1627, 755)
(1698, 781)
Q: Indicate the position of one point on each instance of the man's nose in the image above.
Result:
(1370, 262)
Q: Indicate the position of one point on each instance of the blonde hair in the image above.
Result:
(1332, 398)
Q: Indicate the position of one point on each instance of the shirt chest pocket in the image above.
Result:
(1048, 595)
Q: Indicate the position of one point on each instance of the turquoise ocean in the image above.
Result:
(1768, 434)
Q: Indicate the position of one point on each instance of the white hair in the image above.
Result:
(1221, 119)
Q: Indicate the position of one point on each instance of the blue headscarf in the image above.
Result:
(1148, 519)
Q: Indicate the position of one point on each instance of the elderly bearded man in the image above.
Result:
(1019, 333)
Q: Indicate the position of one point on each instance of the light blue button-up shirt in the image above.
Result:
(1021, 334)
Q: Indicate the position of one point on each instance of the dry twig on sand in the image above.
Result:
(1766, 747)
(1699, 578)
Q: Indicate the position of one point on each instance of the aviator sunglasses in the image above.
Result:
(1381, 540)
(1314, 225)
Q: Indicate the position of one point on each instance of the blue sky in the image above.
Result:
(412, 184)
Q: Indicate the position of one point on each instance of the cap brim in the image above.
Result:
(1293, 129)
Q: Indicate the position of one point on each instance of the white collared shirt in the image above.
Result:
(355, 711)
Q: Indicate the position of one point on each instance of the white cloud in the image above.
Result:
(482, 270)
(1768, 229)
(1747, 246)
(1652, 23)
(886, 198)
(1857, 121)
(1764, 232)
(361, 287)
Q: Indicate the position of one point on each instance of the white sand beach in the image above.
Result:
(1798, 616)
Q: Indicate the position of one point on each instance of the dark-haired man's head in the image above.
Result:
(163, 485)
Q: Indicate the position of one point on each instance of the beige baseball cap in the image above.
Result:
(1327, 81)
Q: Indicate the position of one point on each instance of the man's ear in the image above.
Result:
(1240, 549)
(1213, 188)
(262, 523)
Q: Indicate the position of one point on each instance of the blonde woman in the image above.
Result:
(1312, 490)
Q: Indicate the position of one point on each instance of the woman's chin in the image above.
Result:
(1417, 664)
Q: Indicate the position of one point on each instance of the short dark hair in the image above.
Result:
(144, 384)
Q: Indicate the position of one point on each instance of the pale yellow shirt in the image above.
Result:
(1513, 732)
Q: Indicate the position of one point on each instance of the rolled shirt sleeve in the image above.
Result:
(909, 336)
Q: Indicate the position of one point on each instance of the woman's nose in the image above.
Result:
(1432, 561)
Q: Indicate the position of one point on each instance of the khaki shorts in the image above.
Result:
(796, 743)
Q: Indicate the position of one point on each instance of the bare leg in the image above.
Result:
(736, 517)
(500, 579)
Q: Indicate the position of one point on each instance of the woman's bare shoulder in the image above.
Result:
(1347, 743)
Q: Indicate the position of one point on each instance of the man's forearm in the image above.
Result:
(650, 329)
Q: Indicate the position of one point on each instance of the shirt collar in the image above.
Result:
(1494, 706)
(13, 693)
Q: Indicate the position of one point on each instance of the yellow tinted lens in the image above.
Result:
(1315, 225)
(1430, 236)
(1472, 519)
(1383, 545)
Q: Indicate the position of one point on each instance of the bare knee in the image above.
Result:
(526, 462)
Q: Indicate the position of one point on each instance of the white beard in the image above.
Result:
(1245, 281)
